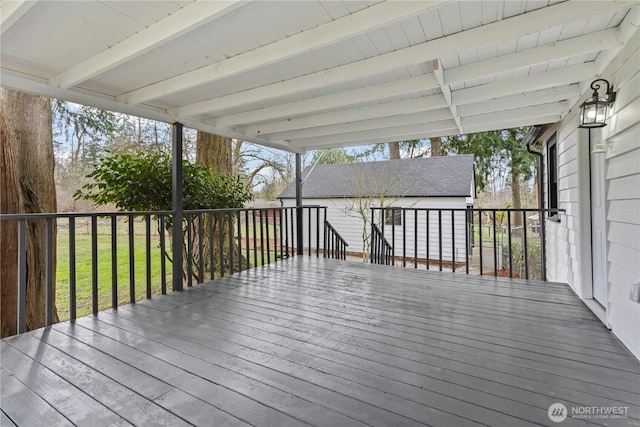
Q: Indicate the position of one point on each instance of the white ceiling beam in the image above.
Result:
(358, 142)
(326, 102)
(31, 84)
(391, 134)
(496, 118)
(394, 108)
(588, 43)
(532, 82)
(332, 32)
(545, 96)
(446, 92)
(534, 21)
(410, 85)
(12, 11)
(526, 121)
(628, 28)
(163, 31)
(377, 123)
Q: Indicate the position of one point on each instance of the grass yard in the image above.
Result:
(84, 271)
(104, 261)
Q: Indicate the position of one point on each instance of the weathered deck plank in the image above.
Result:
(321, 342)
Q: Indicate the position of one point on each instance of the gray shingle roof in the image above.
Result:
(448, 176)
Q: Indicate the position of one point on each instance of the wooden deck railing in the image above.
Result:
(106, 259)
(499, 242)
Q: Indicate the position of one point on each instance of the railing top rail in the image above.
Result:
(79, 214)
(273, 208)
(377, 230)
(56, 215)
(398, 208)
(334, 231)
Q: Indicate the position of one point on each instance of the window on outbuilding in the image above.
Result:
(392, 216)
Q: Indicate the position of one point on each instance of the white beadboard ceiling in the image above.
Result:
(303, 75)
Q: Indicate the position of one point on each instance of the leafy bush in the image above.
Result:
(143, 182)
(534, 259)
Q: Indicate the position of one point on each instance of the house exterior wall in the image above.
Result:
(351, 226)
(569, 241)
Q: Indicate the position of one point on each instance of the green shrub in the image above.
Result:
(143, 182)
(534, 259)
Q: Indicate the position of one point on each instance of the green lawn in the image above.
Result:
(84, 271)
(104, 261)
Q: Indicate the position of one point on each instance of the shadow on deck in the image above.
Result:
(328, 343)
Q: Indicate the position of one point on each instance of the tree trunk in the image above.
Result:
(436, 147)
(26, 186)
(215, 153)
(394, 150)
(516, 220)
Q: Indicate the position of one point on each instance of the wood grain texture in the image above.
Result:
(310, 341)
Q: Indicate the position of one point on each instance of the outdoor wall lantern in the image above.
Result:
(594, 110)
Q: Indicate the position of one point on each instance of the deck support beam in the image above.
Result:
(176, 205)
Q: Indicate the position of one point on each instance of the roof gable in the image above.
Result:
(449, 176)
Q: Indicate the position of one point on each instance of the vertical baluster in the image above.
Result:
(317, 232)
(114, 261)
(255, 245)
(246, 234)
(334, 245)
(94, 263)
(212, 263)
(221, 241)
(543, 247)
(427, 239)
(440, 239)
(132, 260)
(286, 230)
(467, 229)
(453, 241)
(495, 246)
(280, 233)
(22, 276)
(72, 268)
(268, 236)
(201, 244)
(415, 238)
(526, 246)
(261, 237)
(189, 218)
(309, 228)
(480, 239)
(404, 235)
(325, 248)
(372, 238)
(163, 261)
(48, 306)
(393, 238)
(231, 243)
(376, 238)
(240, 268)
(324, 216)
(509, 241)
(147, 219)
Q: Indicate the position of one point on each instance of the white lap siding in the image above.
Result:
(569, 242)
(352, 228)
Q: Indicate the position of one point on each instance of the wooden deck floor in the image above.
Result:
(327, 343)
